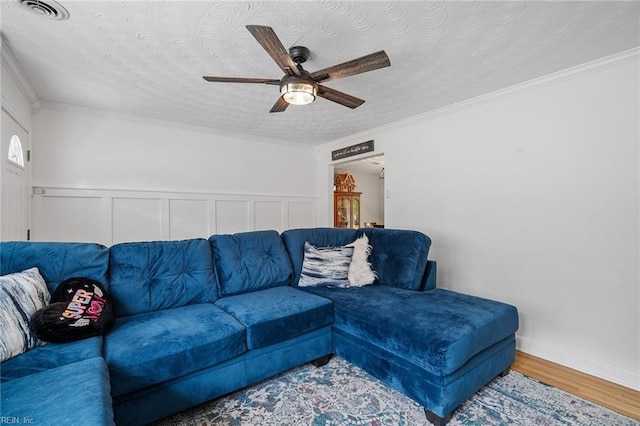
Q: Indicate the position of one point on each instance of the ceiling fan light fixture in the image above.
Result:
(298, 86)
(298, 91)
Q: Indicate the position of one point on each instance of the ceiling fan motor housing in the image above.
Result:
(299, 54)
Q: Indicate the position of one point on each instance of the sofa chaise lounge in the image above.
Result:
(198, 319)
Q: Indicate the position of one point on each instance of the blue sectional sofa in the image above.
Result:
(198, 319)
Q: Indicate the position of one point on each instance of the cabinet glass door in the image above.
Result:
(344, 212)
(356, 213)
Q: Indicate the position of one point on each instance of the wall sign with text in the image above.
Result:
(352, 150)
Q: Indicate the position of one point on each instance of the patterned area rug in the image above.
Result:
(341, 394)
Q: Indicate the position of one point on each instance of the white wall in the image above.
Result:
(75, 148)
(531, 197)
(371, 201)
(107, 178)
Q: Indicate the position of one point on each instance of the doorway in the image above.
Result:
(368, 174)
(15, 196)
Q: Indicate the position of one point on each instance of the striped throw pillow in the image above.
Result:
(328, 266)
(21, 295)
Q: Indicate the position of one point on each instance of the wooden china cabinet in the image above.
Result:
(346, 202)
(346, 210)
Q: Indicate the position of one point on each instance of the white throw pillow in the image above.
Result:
(326, 266)
(360, 272)
(21, 295)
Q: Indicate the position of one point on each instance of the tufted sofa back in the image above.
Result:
(151, 276)
(399, 257)
(250, 261)
(56, 261)
(156, 275)
(320, 237)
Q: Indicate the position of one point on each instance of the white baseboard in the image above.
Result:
(611, 373)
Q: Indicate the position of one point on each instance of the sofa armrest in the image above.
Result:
(429, 279)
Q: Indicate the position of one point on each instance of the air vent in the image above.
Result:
(49, 9)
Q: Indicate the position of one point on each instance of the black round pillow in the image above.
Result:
(79, 308)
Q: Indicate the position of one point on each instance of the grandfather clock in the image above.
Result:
(346, 202)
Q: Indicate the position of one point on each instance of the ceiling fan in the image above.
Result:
(298, 86)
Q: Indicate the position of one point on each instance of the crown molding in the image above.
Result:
(10, 65)
(598, 65)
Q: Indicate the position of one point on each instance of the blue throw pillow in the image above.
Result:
(328, 266)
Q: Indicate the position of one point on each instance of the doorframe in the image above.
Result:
(331, 171)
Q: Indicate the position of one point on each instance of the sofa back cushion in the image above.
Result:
(250, 261)
(398, 257)
(56, 261)
(157, 275)
(294, 240)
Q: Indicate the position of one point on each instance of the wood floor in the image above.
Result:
(615, 397)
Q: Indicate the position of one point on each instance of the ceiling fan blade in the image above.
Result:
(339, 97)
(280, 105)
(241, 80)
(272, 44)
(355, 66)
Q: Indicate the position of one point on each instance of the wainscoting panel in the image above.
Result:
(188, 219)
(232, 216)
(137, 219)
(72, 219)
(300, 215)
(114, 216)
(268, 215)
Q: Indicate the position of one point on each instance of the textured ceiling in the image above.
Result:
(146, 58)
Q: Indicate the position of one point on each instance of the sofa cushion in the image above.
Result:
(154, 347)
(22, 294)
(250, 261)
(55, 261)
(157, 275)
(50, 356)
(398, 257)
(294, 240)
(73, 394)
(277, 314)
(438, 330)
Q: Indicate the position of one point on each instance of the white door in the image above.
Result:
(15, 196)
